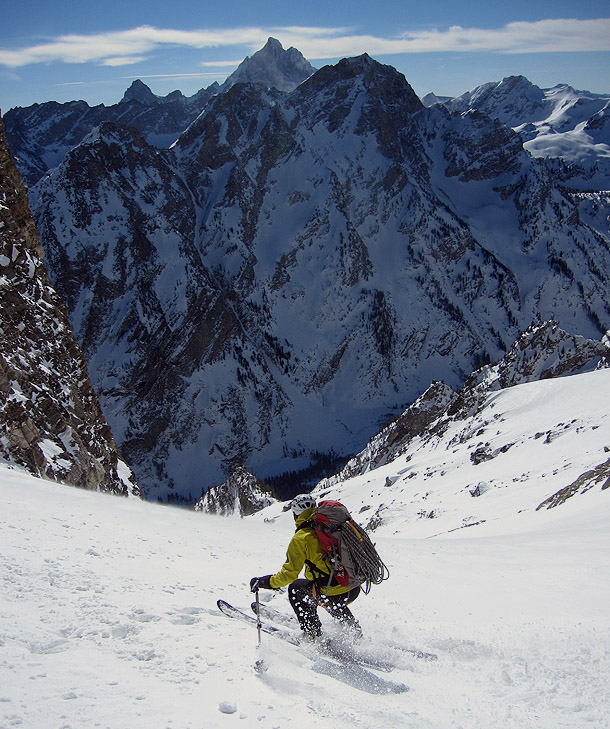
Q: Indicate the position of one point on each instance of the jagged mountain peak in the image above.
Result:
(510, 100)
(543, 351)
(359, 96)
(139, 91)
(273, 67)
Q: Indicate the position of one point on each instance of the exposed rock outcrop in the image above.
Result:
(600, 474)
(51, 422)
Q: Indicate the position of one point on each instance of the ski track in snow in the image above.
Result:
(108, 618)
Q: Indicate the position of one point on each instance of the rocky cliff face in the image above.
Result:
(300, 265)
(241, 494)
(51, 422)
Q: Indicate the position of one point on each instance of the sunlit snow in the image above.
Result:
(108, 611)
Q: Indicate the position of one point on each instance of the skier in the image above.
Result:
(306, 594)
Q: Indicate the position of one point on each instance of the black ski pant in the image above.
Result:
(305, 597)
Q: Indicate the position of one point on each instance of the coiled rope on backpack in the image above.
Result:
(370, 565)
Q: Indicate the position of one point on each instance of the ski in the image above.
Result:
(328, 646)
(344, 669)
(233, 612)
(271, 613)
(358, 677)
(415, 652)
(276, 616)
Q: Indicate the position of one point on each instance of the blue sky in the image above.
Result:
(63, 50)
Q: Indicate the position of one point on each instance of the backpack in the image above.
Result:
(351, 555)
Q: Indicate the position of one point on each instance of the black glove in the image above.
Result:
(262, 582)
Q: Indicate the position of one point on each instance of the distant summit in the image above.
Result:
(431, 99)
(242, 494)
(139, 91)
(273, 67)
(512, 100)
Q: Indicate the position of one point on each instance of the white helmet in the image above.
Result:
(302, 503)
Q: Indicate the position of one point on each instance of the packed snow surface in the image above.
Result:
(108, 612)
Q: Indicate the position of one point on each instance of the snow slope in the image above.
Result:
(516, 450)
(108, 614)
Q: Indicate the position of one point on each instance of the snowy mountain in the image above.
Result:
(41, 135)
(273, 67)
(242, 493)
(569, 126)
(300, 266)
(51, 422)
(113, 615)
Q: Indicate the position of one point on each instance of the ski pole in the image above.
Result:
(258, 613)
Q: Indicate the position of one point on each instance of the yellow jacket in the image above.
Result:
(305, 548)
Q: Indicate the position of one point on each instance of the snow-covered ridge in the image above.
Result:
(528, 447)
(558, 123)
(406, 456)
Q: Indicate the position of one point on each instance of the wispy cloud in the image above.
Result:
(122, 46)
(200, 74)
(221, 64)
(542, 36)
(137, 44)
(122, 60)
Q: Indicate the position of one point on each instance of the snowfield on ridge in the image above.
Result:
(108, 612)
